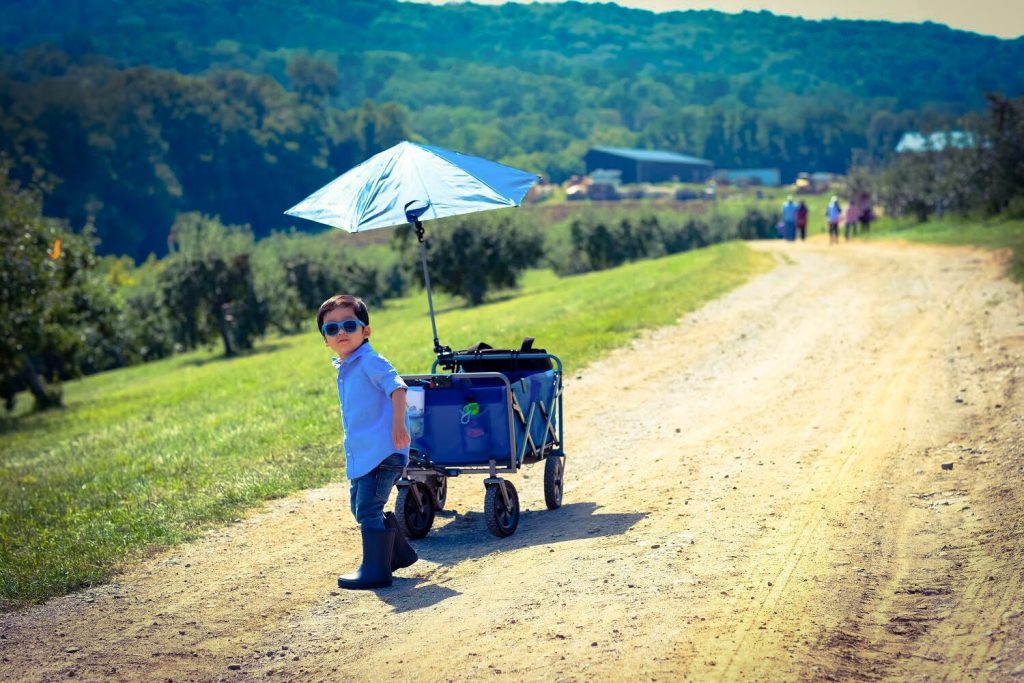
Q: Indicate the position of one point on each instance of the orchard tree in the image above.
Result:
(28, 276)
(58, 318)
(472, 255)
(208, 288)
(294, 273)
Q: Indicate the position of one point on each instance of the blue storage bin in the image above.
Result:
(449, 442)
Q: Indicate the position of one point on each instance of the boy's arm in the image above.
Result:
(399, 432)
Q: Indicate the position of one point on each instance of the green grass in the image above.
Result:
(154, 454)
(998, 233)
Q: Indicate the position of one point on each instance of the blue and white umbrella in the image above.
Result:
(411, 183)
(375, 193)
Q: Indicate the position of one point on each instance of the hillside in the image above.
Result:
(238, 108)
(383, 45)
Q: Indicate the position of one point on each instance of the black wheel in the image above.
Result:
(502, 519)
(414, 517)
(441, 493)
(554, 470)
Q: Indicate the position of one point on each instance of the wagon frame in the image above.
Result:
(525, 404)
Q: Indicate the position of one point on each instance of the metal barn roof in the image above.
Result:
(652, 155)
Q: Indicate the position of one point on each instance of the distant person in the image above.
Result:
(867, 213)
(801, 219)
(851, 218)
(789, 219)
(833, 213)
(377, 439)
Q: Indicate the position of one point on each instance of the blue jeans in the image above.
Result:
(369, 493)
(790, 230)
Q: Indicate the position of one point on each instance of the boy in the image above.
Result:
(377, 439)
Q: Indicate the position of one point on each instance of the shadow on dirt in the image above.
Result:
(408, 595)
(466, 535)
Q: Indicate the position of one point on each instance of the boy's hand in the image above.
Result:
(401, 436)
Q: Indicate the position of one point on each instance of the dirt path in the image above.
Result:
(757, 493)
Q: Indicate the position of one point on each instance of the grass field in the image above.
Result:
(154, 454)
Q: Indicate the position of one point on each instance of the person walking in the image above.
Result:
(789, 219)
(851, 218)
(833, 212)
(801, 220)
(867, 213)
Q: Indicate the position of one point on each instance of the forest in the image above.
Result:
(129, 114)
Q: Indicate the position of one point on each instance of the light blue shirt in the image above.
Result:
(366, 381)
(789, 212)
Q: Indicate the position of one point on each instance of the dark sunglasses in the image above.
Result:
(350, 326)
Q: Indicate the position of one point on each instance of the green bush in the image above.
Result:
(604, 239)
(296, 272)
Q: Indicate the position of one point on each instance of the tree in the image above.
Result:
(981, 168)
(314, 79)
(57, 316)
(293, 273)
(1001, 154)
(208, 288)
(473, 255)
(28, 276)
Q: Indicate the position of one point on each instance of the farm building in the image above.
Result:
(648, 166)
(936, 142)
(768, 177)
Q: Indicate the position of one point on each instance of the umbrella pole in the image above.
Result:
(426, 280)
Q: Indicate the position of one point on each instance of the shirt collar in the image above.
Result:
(363, 349)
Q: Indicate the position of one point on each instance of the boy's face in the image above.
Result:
(342, 343)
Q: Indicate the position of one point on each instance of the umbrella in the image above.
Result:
(411, 183)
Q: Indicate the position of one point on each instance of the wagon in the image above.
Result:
(489, 414)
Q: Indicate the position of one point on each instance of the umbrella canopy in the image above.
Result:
(377, 192)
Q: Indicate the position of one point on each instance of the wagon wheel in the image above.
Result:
(502, 519)
(441, 493)
(414, 517)
(554, 471)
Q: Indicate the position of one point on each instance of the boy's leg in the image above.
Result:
(369, 493)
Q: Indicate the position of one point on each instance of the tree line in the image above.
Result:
(126, 151)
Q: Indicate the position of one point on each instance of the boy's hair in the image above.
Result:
(343, 301)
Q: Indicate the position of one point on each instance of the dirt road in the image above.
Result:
(757, 493)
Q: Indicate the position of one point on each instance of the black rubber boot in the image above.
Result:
(375, 571)
(402, 554)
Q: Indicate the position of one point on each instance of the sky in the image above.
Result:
(1003, 18)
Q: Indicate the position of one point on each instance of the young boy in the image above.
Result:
(377, 439)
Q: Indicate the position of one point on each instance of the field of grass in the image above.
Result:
(998, 233)
(154, 454)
